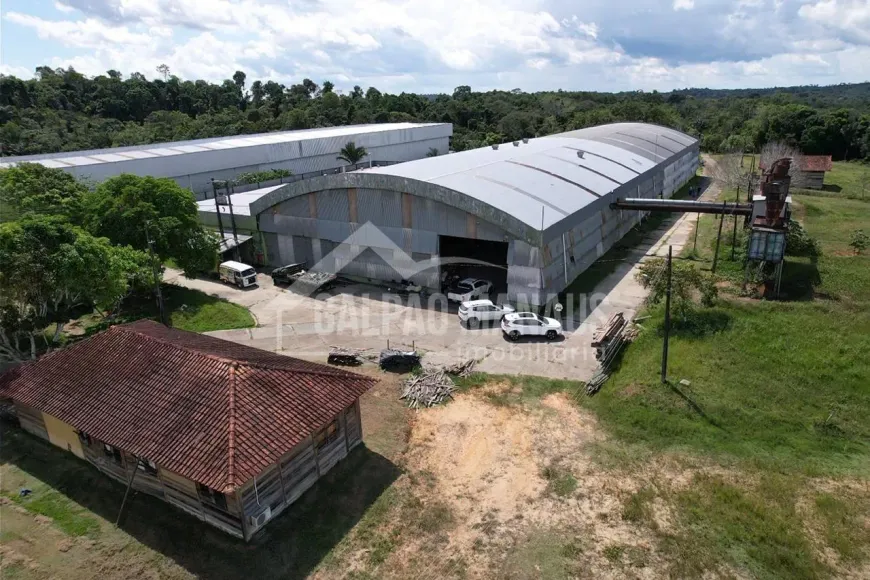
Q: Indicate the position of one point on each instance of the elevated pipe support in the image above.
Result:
(680, 205)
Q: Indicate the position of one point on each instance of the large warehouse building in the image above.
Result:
(193, 164)
(538, 209)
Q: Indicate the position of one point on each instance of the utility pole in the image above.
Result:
(718, 238)
(734, 234)
(233, 222)
(667, 321)
(155, 270)
(217, 207)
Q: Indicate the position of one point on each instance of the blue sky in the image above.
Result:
(436, 45)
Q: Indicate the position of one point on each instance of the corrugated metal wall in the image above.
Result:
(289, 222)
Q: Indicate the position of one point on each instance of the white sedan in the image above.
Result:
(469, 289)
(530, 324)
(473, 312)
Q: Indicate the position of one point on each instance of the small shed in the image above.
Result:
(813, 168)
(228, 433)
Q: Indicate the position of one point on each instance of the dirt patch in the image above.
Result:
(496, 467)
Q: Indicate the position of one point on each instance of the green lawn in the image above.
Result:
(188, 309)
(849, 179)
(784, 384)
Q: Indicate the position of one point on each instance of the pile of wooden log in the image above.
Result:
(608, 340)
(339, 355)
(606, 334)
(429, 388)
(461, 369)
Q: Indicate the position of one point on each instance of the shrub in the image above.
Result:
(859, 241)
(799, 243)
(686, 279)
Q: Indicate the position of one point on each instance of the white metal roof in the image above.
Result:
(549, 178)
(241, 201)
(120, 154)
(234, 265)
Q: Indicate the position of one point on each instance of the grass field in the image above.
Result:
(188, 309)
(850, 179)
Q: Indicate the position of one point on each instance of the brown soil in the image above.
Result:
(489, 464)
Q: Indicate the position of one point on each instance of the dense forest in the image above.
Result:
(63, 110)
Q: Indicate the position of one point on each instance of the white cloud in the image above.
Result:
(21, 72)
(851, 17)
(432, 45)
(90, 33)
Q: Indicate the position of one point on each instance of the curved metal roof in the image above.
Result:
(67, 159)
(531, 186)
(547, 179)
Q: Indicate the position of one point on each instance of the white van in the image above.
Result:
(237, 273)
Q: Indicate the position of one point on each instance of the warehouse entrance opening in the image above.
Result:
(486, 260)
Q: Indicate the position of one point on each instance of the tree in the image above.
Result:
(239, 79)
(686, 280)
(120, 207)
(433, 152)
(162, 69)
(327, 87)
(50, 270)
(462, 92)
(352, 154)
(31, 187)
(730, 171)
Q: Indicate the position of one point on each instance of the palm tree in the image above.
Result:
(433, 152)
(351, 153)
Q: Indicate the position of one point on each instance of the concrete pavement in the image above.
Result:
(362, 316)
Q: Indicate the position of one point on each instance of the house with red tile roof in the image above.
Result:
(813, 169)
(228, 433)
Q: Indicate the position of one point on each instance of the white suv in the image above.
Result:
(469, 289)
(473, 312)
(530, 324)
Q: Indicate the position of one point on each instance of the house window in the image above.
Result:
(85, 438)
(212, 496)
(113, 453)
(147, 466)
(327, 435)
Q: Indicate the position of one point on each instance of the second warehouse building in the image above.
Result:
(538, 210)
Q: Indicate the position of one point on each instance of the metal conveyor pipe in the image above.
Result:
(681, 205)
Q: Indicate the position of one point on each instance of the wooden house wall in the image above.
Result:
(283, 483)
(354, 426)
(814, 179)
(31, 420)
(171, 487)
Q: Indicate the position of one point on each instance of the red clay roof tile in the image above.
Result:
(210, 410)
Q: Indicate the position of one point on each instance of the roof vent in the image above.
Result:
(525, 139)
(580, 154)
(516, 143)
(495, 146)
